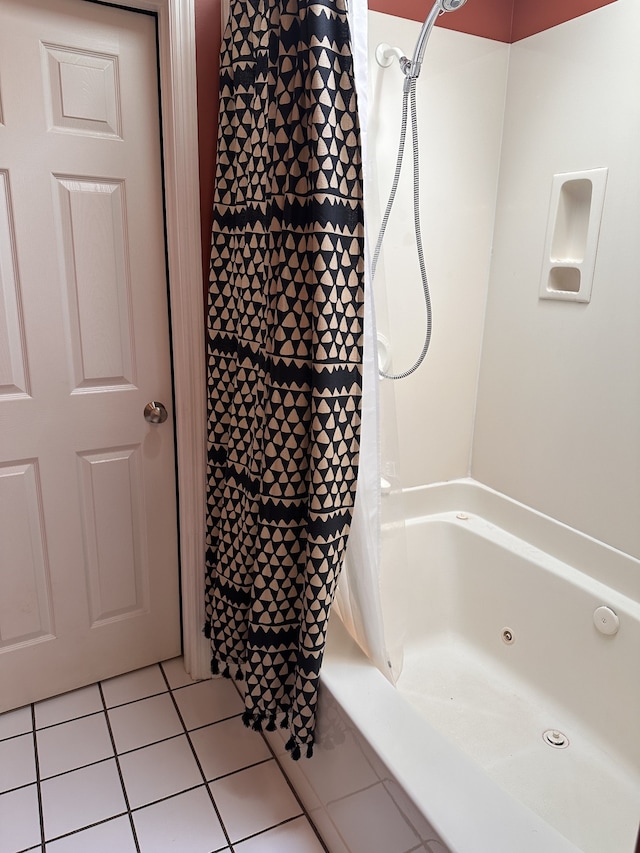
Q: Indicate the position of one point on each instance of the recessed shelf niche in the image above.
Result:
(573, 229)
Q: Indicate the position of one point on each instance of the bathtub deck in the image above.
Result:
(589, 794)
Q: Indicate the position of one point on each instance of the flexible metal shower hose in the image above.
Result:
(408, 97)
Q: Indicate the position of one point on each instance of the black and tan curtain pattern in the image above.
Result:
(284, 351)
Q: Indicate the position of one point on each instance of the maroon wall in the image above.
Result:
(488, 18)
(503, 20)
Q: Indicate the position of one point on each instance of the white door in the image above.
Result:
(88, 528)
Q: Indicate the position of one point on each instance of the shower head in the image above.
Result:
(437, 9)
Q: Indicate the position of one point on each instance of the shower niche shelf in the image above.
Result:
(573, 229)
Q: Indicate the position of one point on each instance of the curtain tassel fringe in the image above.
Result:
(293, 749)
(257, 723)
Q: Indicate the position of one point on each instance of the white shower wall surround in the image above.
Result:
(461, 95)
(501, 648)
(558, 406)
(540, 399)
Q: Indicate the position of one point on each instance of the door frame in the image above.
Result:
(177, 69)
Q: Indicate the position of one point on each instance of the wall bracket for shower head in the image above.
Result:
(385, 54)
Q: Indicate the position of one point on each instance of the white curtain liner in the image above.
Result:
(358, 598)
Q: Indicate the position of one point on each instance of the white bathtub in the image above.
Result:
(454, 757)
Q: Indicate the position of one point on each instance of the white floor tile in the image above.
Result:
(208, 701)
(293, 837)
(176, 674)
(254, 799)
(16, 722)
(17, 762)
(114, 836)
(68, 706)
(133, 685)
(19, 820)
(227, 746)
(159, 771)
(186, 822)
(68, 746)
(81, 797)
(144, 722)
(295, 772)
(370, 822)
(340, 771)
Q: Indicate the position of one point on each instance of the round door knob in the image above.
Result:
(155, 412)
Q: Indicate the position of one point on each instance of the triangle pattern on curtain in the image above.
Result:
(285, 333)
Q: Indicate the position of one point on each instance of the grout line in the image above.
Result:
(13, 737)
(239, 770)
(117, 759)
(37, 763)
(17, 788)
(70, 720)
(214, 723)
(197, 760)
(133, 701)
(88, 826)
(151, 743)
(269, 828)
(366, 788)
(168, 797)
(73, 769)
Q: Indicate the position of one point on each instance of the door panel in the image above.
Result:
(25, 605)
(88, 527)
(13, 372)
(116, 560)
(91, 220)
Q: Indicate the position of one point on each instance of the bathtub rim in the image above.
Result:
(602, 562)
(427, 765)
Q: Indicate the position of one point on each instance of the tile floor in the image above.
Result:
(145, 763)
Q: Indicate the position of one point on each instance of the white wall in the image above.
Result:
(558, 412)
(461, 95)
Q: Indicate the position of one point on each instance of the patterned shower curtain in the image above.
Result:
(284, 351)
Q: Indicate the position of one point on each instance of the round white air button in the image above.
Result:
(605, 620)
